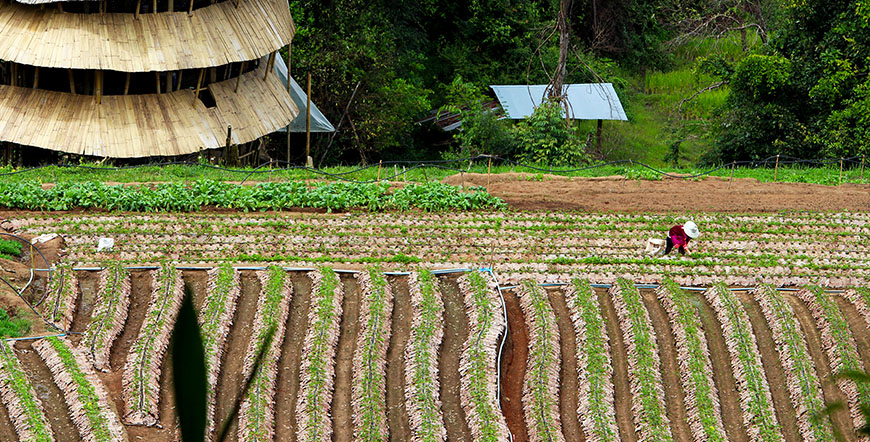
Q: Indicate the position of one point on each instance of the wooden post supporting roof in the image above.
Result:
(157, 79)
(127, 84)
(98, 79)
(138, 7)
(72, 82)
(270, 64)
(36, 78)
(239, 78)
(198, 86)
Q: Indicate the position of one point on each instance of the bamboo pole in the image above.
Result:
(239, 79)
(841, 172)
(180, 76)
(138, 8)
(36, 78)
(308, 160)
(488, 172)
(190, 10)
(98, 79)
(154, 6)
(380, 164)
(289, 55)
(776, 168)
(270, 64)
(72, 82)
(157, 81)
(730, 179)
(198, 86)
(127, 84)
(171, 5)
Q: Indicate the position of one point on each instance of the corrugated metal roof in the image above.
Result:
(586, 101)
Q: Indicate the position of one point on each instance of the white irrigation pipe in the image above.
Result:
(501, 345)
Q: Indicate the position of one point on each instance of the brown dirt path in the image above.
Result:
(198, 282)
(675, 399)
(7, 431)
(858, 327)
(723, 374)
(287, 386)
(776, 377)
(230, 377)
(455, 334)
(619, 358)
(48, 392)
(140, 298)
(342, 410)
(514, 358)
(400, 331)
(89, 283)
(525, 192)
(568, 387)
(830, 391)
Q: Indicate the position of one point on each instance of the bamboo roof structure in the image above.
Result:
(129, 126)
(214, 35)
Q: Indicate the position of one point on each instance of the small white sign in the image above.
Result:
(105, 244)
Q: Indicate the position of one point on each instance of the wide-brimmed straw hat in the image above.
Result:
(691, 229)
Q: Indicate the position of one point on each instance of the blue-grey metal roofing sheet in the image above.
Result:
(585, 101)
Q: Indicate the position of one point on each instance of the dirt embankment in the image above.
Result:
(745, 195)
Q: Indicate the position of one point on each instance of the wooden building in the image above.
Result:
(141, 78)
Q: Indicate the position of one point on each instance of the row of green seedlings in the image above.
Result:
(644, 366)
(478, 391)
(596, 409)
(696, 370)
(109, 316)
(317, 371)
(759, 417)
(421, 359)
(257, 413)
(370, 357)
(22, 404)
(215, 320)
(58, 306)
(141, 378)
(840, 346)
(89, 404)
(541, 383)
(804, 386)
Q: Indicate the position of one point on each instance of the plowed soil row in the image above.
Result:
(89, 283)
(831, 393)
(514, 357)
(675, 400)
(7, 432)
(52, 399)
(397, 413)
(287, 387)
(568, 387)
(455, 334)
(230, 379)
(858, 327)
(621, 387)
(342, 412)
(773, 370)
(723, 374)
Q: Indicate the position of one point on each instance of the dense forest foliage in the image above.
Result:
(701, 80)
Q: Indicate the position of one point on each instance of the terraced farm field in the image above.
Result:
(461, 327)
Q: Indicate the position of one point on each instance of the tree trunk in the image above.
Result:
(564, 27)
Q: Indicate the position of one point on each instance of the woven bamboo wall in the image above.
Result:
(127, 126)
(214, 35)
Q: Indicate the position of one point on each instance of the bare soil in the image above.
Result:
(400, 331)
(568, 386)
(342, 410)
(830, 391)
(514, 358)
(140, 299)
(773, 370)
(858, 327)
(455, 334)
(197, 280)
(618, 357)
(231, 375)
(287, 385)
(7, 431)
(723, 374)
(48, 392)
(675, 399)
(615, 194)
(89, 282)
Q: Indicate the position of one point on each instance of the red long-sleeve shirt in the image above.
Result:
(678, 237)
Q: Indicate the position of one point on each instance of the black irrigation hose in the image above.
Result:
(20, 292)
(442, 164)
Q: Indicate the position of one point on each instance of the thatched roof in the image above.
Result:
(126, 126)
(213, 36)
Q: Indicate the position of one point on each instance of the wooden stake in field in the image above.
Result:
(776, 168)
(308, 160)
(731, 178)
(380, 164)
(488, 172)
(862, 169)
(841, 172)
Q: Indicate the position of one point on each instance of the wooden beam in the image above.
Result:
(239, 78)
(72, 82)
(198, 86)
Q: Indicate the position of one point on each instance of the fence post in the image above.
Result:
(841, 172)
(776, 168)
(731, 178)
(380, 163)
(488, 172)
(862, 169)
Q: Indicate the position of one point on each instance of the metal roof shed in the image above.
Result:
(585, 101)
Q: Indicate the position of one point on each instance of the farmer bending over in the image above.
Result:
(679, 237)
